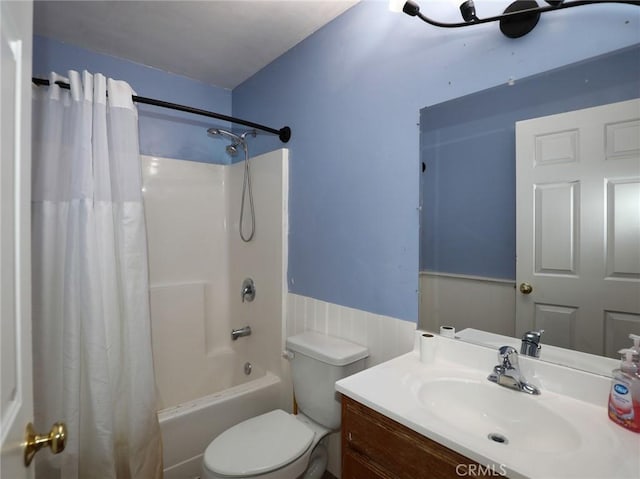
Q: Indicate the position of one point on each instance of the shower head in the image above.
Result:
(232, 150)
(225, 133)
(233, 136)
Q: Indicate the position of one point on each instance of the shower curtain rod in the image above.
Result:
(283, 133)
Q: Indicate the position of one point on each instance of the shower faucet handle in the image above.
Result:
(248, 292)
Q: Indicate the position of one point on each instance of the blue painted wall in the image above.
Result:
(468, 146)
(163, 132)
(352, 93)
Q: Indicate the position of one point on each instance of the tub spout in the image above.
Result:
(241, 332)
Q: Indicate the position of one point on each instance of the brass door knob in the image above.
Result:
(56, 440)
(526, 288)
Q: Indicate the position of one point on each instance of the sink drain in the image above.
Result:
(499, 438)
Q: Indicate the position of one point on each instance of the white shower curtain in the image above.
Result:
(93, 366)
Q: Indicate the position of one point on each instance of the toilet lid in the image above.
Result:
(258, 445)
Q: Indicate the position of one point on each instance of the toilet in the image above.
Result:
(279, 445)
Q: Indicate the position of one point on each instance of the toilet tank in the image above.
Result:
(317, 362)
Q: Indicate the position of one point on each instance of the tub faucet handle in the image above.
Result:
(248, 292)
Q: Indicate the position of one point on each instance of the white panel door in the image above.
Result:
(16, 397)
(578, 227)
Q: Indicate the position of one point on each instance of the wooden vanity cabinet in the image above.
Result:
(376, 447)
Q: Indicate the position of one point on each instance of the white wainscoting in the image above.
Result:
(386, 337)
(467, 302)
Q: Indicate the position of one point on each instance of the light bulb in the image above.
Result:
(396, 5)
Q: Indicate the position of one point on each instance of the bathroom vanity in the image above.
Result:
(445, 419)
(376, 447)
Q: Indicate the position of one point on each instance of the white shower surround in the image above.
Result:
(197, 265)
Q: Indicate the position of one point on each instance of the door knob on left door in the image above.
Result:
(526, 288)
(56, 440)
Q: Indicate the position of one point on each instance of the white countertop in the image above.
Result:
(596, 447)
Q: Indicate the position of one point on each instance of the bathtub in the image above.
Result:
(197, 264)
(188, 428)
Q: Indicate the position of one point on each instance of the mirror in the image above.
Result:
(468, 222)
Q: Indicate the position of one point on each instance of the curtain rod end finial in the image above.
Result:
(285, 134)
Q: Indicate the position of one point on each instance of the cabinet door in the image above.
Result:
(376, 446)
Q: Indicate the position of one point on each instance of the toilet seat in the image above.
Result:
(258, 445)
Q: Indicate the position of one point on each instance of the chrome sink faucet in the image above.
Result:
(531, 343)
(508, 374)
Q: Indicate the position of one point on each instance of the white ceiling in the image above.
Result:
(218, 42)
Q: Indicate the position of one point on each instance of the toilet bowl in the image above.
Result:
(279, 445)
(274, 445)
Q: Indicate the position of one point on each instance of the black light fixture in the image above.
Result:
(517, 20)
(468, 11)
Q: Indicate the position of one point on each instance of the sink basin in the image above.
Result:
(512, 418)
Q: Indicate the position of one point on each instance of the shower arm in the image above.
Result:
(283, 133)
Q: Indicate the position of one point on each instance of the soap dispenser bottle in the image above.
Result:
(624, 399)
(636, 348)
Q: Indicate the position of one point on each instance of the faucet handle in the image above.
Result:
(531, 343)
(533, 336)
(508, 357)
(248, 292)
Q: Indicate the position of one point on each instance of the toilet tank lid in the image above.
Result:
(328, 349)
